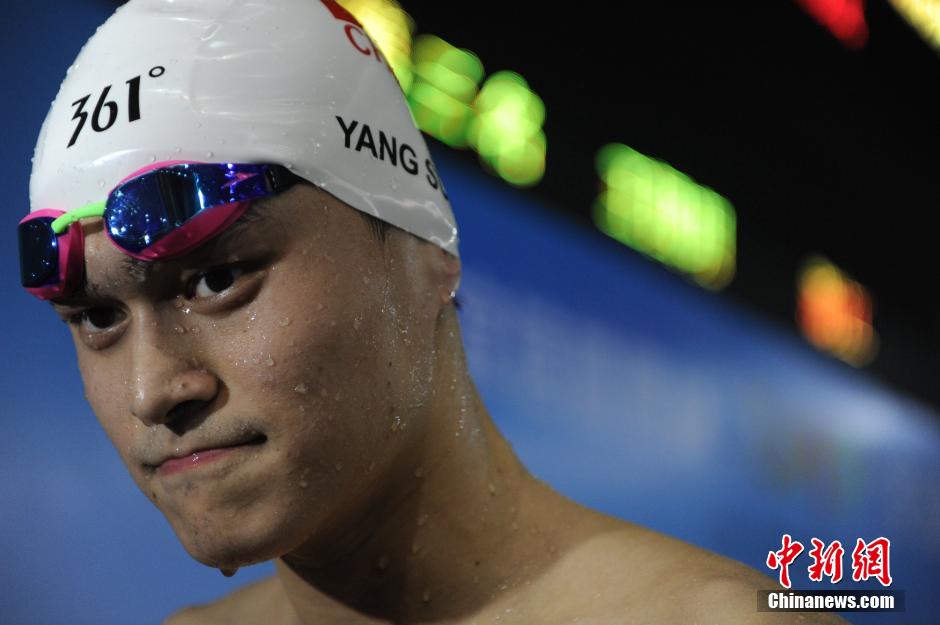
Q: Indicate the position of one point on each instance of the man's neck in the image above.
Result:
(464, 530)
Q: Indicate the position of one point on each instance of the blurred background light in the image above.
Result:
(502, 122)
(835, 313)
(446, 79)
(923, 15)
(662, 213)
(845, 19)
(391, 28)
(507, 128)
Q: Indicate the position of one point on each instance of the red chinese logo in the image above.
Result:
(869, 560)
(872, 560)
(783, 558)
(826, 561)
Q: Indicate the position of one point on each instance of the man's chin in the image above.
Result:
(229, 550)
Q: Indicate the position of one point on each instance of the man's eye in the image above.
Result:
(214, 281)
(97, 319)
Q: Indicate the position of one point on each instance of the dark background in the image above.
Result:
(820, 148)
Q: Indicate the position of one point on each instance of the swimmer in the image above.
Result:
(233, 211)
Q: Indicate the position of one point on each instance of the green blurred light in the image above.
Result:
(506, 129)
(454, 84)
(439, 114)
(445, 84)
(662, 213)
(432, 49)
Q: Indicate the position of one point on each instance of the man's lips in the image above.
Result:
(202, 454)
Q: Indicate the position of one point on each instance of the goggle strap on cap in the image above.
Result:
(62, 223)
(280, 178)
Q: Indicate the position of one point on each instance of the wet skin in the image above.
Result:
(357, 452)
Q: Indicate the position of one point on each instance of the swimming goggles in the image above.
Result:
(159, 212)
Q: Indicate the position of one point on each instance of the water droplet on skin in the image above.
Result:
(492, 488)
(269, 361)
(301, 388)
(256, 360)
(179, 329)
(194, 329)
(419, 472)
(186, 311)
(422, 519)
(415, 548)
(356, 323)
(284, 322)
(426, 596)
(338, 467)
(396, 423)
(320, 306)
(303, 483)
(229, 572)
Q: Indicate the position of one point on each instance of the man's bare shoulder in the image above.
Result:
(259, 602)
(633, 574)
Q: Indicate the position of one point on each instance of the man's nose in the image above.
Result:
(169, 385)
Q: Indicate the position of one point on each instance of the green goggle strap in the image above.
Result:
(61, 224)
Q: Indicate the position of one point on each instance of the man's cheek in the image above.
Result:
(106, 393)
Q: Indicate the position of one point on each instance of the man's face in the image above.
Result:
(300, 340)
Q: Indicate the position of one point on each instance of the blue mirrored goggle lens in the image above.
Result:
(143, 210)
(39, 253)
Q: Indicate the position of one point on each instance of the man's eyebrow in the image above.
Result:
(140, 270)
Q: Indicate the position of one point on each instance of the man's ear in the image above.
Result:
(444, 272)
(450, 265)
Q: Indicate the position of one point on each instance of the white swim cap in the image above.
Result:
(290, 82)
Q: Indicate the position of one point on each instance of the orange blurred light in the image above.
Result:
(835, 312)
